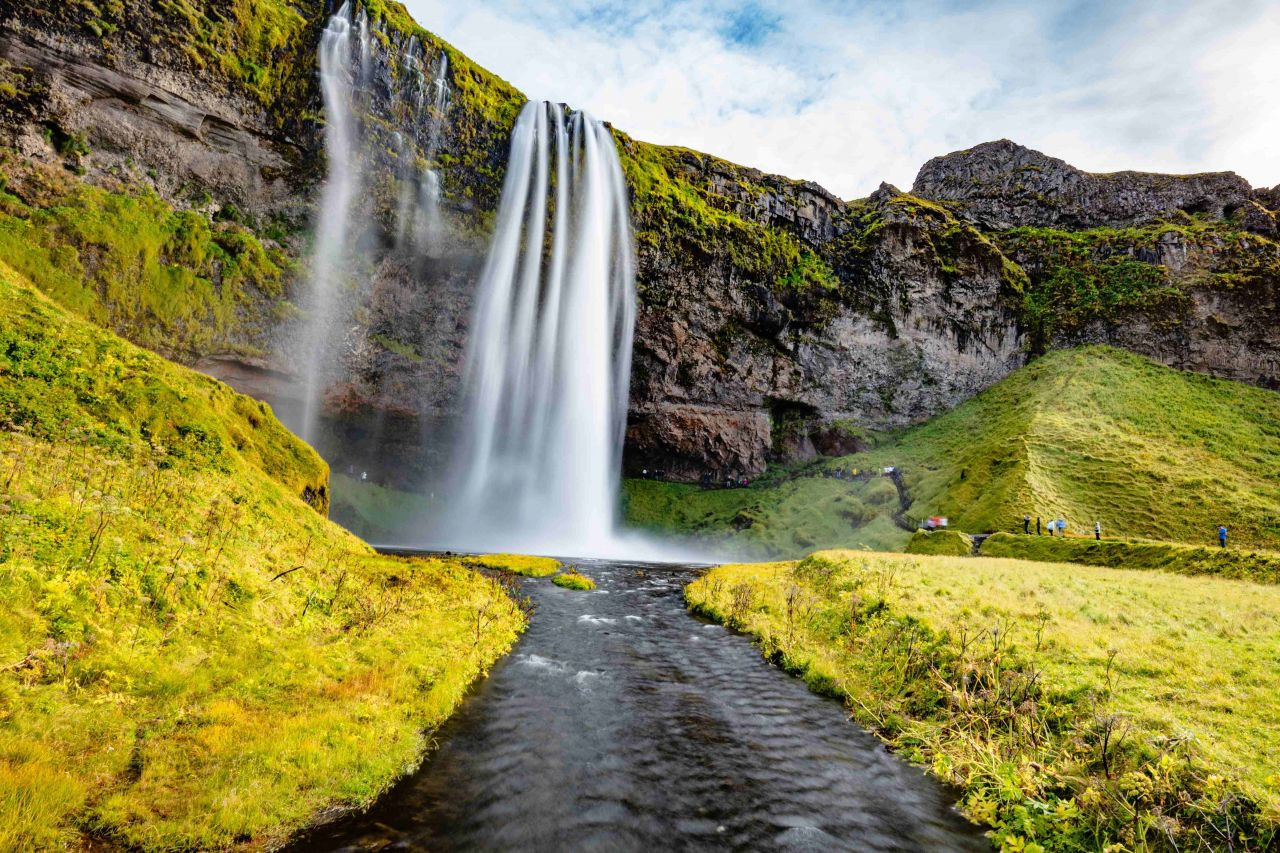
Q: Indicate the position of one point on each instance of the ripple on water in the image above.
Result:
(672, 734)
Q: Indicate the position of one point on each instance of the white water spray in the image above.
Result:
(549, 356)
(332, 225)
(418, 220)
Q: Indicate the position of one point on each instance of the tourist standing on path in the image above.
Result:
(1222, 536)
(1062, 527)
(1026, 524)
(1097, 530)
(1037, 525)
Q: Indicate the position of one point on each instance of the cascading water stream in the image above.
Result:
(549, 356)
(348, 65)
(332, 224)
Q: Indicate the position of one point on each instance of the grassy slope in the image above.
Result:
(190, 656)
(174, 281)
(1004, 676)
(1092, 434)
(1259, 566)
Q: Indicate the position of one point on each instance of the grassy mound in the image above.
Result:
(1091, 434)
(1260, 566)
(941, 542)
(1075, 708)
(573, 579)
(191, 655)
(520, 564)
(1098, 434)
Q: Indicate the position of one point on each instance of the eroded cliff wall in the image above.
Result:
(776, 321)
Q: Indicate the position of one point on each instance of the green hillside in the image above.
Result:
(191, 655)
(1091, 434)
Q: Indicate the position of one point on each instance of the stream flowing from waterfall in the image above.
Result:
(622, 722)
(549, 353)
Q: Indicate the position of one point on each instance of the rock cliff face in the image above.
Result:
(776, 321)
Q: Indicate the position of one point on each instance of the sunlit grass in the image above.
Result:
(520, 564)
(573, 579)
(1076, 706)
(191, 656)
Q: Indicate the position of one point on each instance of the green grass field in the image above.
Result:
(1091, 434)
(191, 655)
(1076, 707)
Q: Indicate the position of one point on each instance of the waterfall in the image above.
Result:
(418, 220)
(332, 223)
(430, 231)
(549, 354)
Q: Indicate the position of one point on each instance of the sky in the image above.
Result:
(850, 94)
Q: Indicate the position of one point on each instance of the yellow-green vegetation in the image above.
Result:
(1075, 707)
(1099, 434)
(1259, 566)
(679, 209)
(1090, 434)
(573, 579)
(940, 542)
(253, 45)
(1101, 273)
(785, 516)
(171, 280)
(191, 655)
(520, 564)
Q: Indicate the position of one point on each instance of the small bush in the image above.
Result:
(946, 542)
(573, 579)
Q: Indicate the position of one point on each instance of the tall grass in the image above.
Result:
(1076, 707)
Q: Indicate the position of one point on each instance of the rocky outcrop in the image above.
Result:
(1002, 185)
(138, 113)
(776, 321)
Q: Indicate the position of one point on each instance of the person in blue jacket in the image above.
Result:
(1222, 536)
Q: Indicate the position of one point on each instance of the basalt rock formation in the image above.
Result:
(776, 321)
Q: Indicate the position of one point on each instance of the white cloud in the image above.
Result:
(849, 94)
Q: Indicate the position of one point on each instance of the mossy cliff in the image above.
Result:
(776, 320)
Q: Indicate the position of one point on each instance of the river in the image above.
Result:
(622, 722)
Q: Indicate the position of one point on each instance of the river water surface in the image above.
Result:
(621, 722)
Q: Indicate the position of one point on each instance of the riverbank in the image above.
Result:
(191, 655)
(1076, 707)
